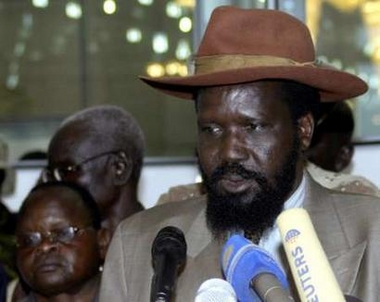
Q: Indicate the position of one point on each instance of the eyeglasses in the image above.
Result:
(61, 173)
(64, 235)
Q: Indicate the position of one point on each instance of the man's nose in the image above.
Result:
(233, 148)
(48, 243)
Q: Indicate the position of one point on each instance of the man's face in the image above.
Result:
(333, 151)
(248, 153)
(71, 146)
(51, 266)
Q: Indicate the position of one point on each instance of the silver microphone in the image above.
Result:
(215, 290)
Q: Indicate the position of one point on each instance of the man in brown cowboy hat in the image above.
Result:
(256, 88)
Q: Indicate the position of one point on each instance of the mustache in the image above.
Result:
(239, 169)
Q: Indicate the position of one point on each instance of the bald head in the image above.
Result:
(107, 127)
(102, 149)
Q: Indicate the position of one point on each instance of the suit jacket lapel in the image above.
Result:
(345, 260)
(203, 261)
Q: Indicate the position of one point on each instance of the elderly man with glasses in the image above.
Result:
(102, 149)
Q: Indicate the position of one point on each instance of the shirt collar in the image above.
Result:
(271, 239)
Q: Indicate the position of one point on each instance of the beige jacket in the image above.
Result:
(348, 227)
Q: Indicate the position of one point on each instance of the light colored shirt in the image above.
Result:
(271, 239)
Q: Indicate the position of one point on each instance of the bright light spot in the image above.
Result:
(109, 7)
(198, 178)
(145, 2)
(12, 81)
(40, 3)
(183, 50)
(133, 35)
(73, 10)
(182, 70)
(155, 70)
(160, 43)
(376, 54)
(187, 3)
(173, 10)
(185, 24)
(172, 68)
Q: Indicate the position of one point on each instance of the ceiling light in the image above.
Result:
(40, 3)
(182, 51)
(109, 7)
(73, 10)
(155, 70)
(160, 43)
(173, 10)
(145, 2)
(133, 35)
(185, 24)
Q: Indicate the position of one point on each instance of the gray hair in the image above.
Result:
(115, 128)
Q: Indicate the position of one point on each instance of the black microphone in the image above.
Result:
(168, 258)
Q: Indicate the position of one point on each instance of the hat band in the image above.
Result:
(217, 63)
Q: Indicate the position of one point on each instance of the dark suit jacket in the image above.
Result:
(347, 225)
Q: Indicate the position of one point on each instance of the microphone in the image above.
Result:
(168, 258)
(309, 265)
(253, 272)
(215, 290)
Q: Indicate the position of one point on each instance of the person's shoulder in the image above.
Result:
(342, 182)
(359, 207)
(182, 192)
(178, 213)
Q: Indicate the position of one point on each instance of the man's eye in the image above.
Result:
(66, 171)
(254, 126)
(65, 234)
(211, 129)
(28, 240)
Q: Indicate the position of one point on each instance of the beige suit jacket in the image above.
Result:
(348, 227)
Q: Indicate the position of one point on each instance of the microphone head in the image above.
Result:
(170, 240)
(215, 290)
(242, 261)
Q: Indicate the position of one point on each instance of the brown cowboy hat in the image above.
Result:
(246, 45)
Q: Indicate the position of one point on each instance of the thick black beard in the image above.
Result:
(250, 212)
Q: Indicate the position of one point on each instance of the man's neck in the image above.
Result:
(126, 206)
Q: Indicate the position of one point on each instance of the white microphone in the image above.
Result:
(313, 275)
(215, 290)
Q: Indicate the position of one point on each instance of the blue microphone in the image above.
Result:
(252, 272)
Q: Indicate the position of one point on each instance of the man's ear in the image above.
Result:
(104, 238)
(122, 168)
(305, 130)
(344, 157)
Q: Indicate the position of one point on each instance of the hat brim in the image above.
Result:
(332, 84)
